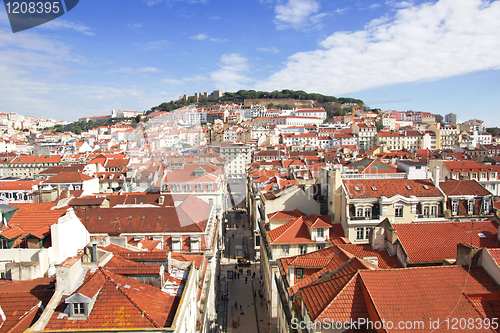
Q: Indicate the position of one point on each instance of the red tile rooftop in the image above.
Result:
(375, 188)
(121, 303)
(437, 241)
(426, 292)
(463, 187)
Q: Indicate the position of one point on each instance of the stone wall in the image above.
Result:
(276, 101)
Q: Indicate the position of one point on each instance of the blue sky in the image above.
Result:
(442, 55)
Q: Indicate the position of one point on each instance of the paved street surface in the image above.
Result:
(250, 310)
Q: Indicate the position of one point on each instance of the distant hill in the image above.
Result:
(272, 98)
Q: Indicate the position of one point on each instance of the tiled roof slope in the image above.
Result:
(319, 297)
(434, 242)
(119, 265)
(41, 206)
(336, 261)
(191, 216)
(495, 254)
(121, 303)
(426, 292)
(297, 231)
(20, 302)
(28, 222)
(365, 250)
(462, 187)
(18, 185)
(375, 188)
(68, 177)
(285, 215)
(459, 166)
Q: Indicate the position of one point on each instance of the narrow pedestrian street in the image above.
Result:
(240, 309)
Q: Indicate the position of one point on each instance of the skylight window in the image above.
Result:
(408, 187)
(426, 187)
(357, 188)
(481, 235)
(374, 188)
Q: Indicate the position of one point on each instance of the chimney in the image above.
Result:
(94, 253)
(161, 200)
(436, 177)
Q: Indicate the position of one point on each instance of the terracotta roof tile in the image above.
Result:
(495, 253)
(337, 258)
(462, 187)
(191, 215)
(434, 242)
(318, 296)
(365, 250)
(37, 159)
(43, 206)
(33, 222)
(121, 303)
(119, 265)
(427, 292)
(22, 185)
(285, 215)
(68, 177)
(20, 302)
(459, 166)
(293, 232)
(375, 188)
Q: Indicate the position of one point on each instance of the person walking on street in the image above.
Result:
(246, 279)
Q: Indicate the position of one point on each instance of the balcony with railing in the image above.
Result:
(363, 218)
(357, 176)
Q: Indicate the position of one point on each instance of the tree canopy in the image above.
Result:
(241, 95)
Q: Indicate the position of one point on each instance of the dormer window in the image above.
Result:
(79, 305)
(470, 207)
(79, 309)
(320, 233)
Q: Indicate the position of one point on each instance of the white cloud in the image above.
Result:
(63, 24)
(134, 25)
(129, 70)
(341, 10)
(152, 2)
(184, 80)
(426, 42)
(153, 45)
(298, 14)
(199, 36)
(232, 73)
(271, 49)
(40, 78)
(374, 6)
(172, 82)
(219, 40)
(399, 4)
